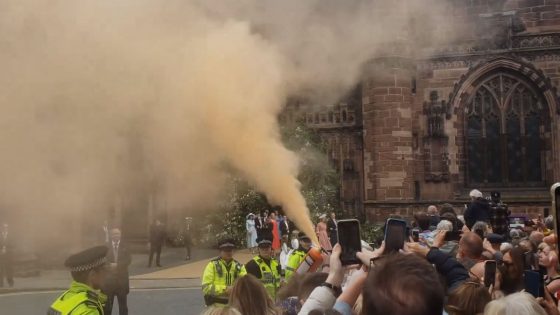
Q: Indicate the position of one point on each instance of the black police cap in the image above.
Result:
(88, 259)
(264, 241)
(303, 236)
(226, 243)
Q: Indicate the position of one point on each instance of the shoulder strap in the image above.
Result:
(218, 267)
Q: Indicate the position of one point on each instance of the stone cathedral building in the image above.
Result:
(481, 113)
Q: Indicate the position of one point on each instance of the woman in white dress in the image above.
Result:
(251, 232)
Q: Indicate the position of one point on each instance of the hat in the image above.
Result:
(226, 243)
(475, 193)
(322, 216)
(495, 238)
(262, 242)
(88, 259)
(303, 236)
(250, 214)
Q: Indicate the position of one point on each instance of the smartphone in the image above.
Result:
(489, 273)
(416, 235)
(546, 212)
(395, 235)
(350, 240)
(452, 236)
(555, 192)
(534, 283)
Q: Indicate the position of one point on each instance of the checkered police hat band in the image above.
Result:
(90, 266)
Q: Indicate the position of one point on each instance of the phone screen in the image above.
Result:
(534, 283)
(452, 236)
(489, 273)
(555, 190)
(350, 241)
(395, 235)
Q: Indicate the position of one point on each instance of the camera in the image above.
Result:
(499, 214)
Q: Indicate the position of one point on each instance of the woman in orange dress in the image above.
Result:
(275, 235)
(322, 234)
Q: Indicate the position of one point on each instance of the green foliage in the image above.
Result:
(372, 233)
(319, 187)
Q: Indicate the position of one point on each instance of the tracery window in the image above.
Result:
(506, 119)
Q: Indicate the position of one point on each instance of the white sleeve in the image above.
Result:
(322, 298)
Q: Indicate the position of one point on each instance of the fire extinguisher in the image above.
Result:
(311, 262)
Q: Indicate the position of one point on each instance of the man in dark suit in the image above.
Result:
(116, 282)
(259, 225)
(285, 227)
(157, 239)
(6, 247)
(332, 229)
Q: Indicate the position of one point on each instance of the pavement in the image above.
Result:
(175, 273)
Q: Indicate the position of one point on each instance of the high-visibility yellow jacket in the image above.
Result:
(267, 274)
(217, 276)
(80, 299)
(294, 261)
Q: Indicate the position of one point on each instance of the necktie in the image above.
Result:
(116, 251)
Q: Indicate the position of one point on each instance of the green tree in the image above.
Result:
(320, 186)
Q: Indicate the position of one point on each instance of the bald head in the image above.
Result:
(432, 210)
(471, 245)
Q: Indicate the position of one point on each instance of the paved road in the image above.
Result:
(183, 301)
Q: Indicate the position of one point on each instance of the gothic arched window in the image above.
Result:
(506, 119)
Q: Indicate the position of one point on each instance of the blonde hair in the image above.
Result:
(221, 310)
(520, 303)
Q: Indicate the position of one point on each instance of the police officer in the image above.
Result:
(298, 255)
(88, 269)
(220, 273)
(265, 268)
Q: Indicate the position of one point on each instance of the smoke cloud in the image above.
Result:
(104, 100)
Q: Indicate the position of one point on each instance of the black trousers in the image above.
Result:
(121, 298)
(188, 247)
(6, 271)
(157, 250)
(333, 238)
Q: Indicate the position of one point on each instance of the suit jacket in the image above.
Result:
(331, 226)
(157, 235)
(117, 279)
(284, 228)
(7, 245)
(259, 222)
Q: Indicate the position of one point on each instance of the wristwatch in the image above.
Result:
(336, 290)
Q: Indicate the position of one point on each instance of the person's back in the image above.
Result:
(402, 285)
(478, 210)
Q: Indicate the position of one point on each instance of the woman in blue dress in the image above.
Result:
(251, 232)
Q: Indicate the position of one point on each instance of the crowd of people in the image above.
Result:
(451, 264)
(441, 269)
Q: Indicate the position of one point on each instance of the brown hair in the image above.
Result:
(309, 282)
(387, 292)
(422, 220)
(469, 298)
(249, 296)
